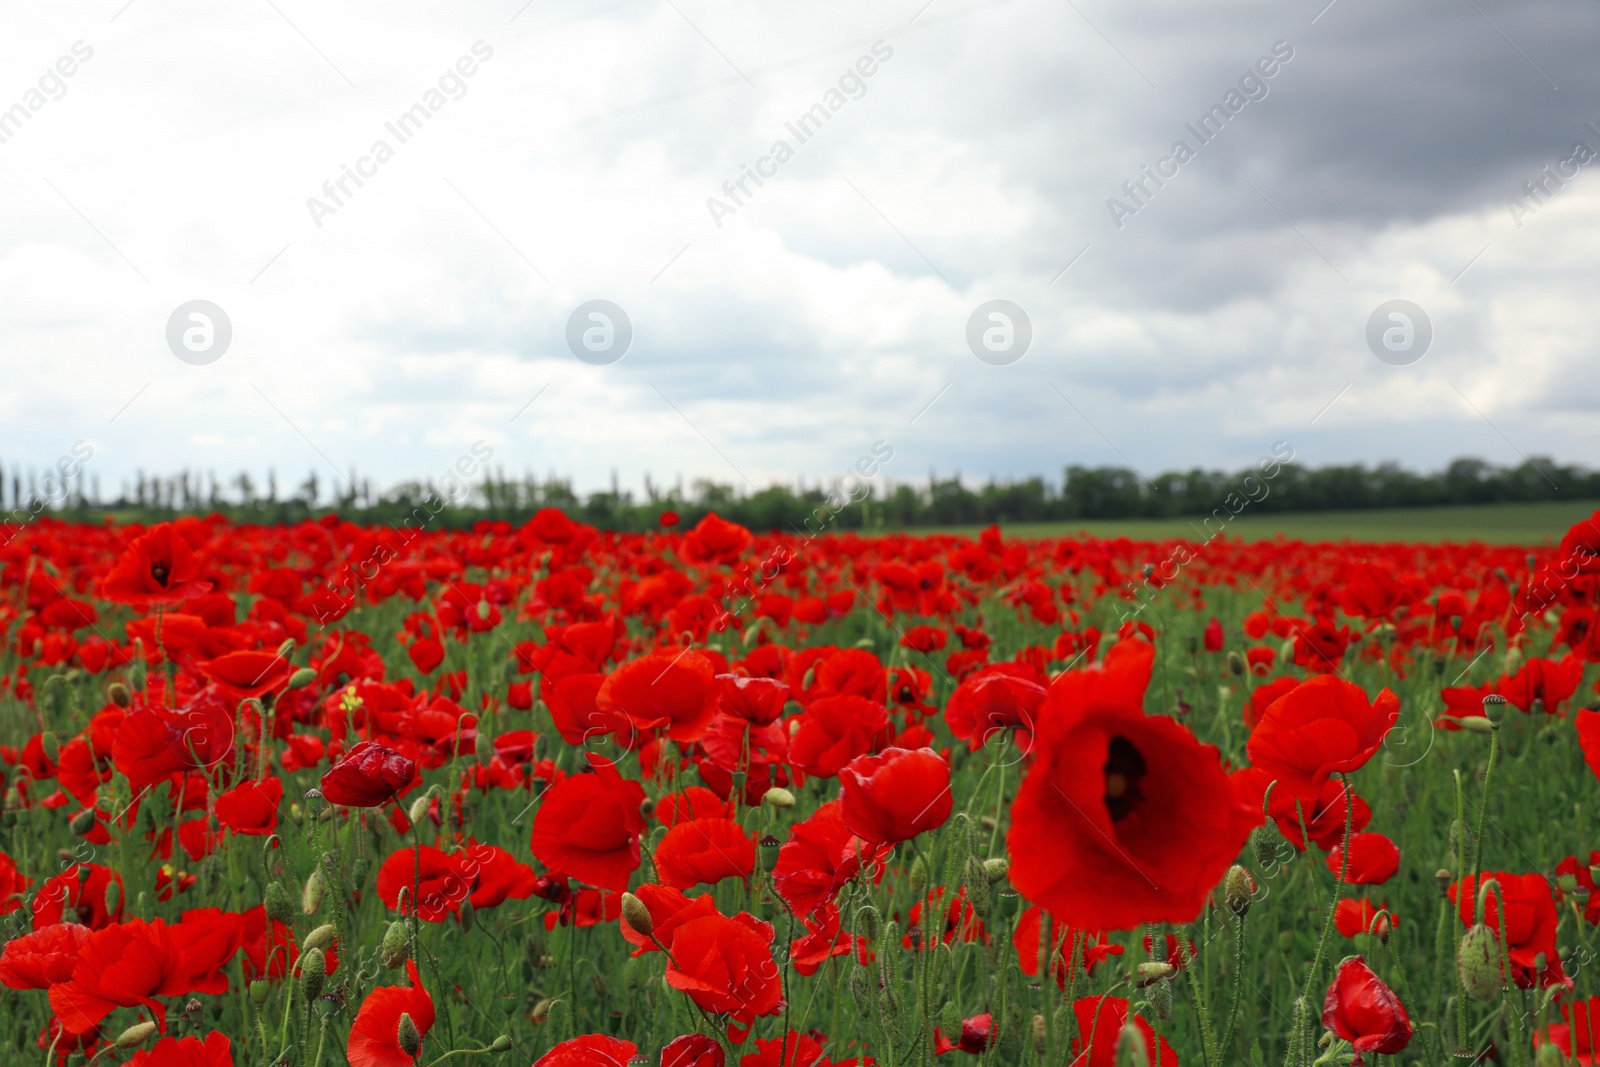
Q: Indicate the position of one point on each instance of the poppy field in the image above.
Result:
(324, 793)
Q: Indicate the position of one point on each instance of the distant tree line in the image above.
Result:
(1082, 493)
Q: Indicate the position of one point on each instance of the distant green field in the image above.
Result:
(1506, 524)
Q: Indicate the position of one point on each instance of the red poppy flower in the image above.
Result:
(671, 691)
(1582, 1026)
(1360, 1009)
(896, 794)
(756, 700)
(725, 966)
(824, 940)
(215, 1051)
(1262, 696)
(706, 851)
(159, 567)
(369, 776)
(691, 802)
(154, 743)
(1321, 646)
(1531, 920)
(1324, 816)
(1213, 636)
(835, 730)
(715, 540)
(590, 1050)
(1007, 696)
(588, 826)
(434, 876)
(122, 966)
(1123, 818)
(1354, 915)
(13, 883)
(819, 857)
(43, 958)
(692, 1050)
(426, 654)
(1581, 545)
(73, 897)
(243, 675)
(375, 1034)
(1373, 859)
(1321, 727)
(1100, 1023)
(1580, 873)
(251, 808)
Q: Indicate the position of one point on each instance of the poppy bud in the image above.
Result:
(1477, 724)
(1285, 940)
(83, 822)
(1238, 890)
(1594, 871)
(541, 1010)
(1041, 1036)
(861, 992)
(1264, 844)
(286, 649)
(419, 807)
(84, 871)
(637, 916)
(277, 903)
(135, 1035)
(1161, 999)
(117, 693)
(778, 797)
(464, 915)
(919, 878)
(313, 971)
(501, 1044)
(259, 992)
(1549, 1055)
(1235, 662)
(321, 937)
(995, 869)
(767, 847)
(1131, 1049)
(311, 894)
(1478, 963)
(1154, 970)
(393, 951)
(113, 897)
(51, 745)
(302, 677)
(407, 1037)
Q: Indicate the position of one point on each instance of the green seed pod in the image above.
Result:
(1238, 890)
(259, 992)
(135, 1035)
(767, 851)
(311, 893)
(313, 972)
(637, 915)
(321, 937)
(1161, 999)
(407, 1037)
(394, 950)
(277, 903)
(1478, 963)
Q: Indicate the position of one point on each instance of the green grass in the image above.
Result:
(1503, 524)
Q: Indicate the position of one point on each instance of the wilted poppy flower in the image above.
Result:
(588, 826)
(1360, 1009)
(1321, 727)
(1530, 928)
(1373, 859)
(369, 776)
(896, 794)
(835, 730)
(725, 966)
(159, 567)
(375, 1033)
(1100, 1023)
(706, 851)
(251, 808)
(976, 1033)
(215, 1051)
(242, 675)
(692, 1050)
(671, 691)
(1123, 818)
(589, 1050)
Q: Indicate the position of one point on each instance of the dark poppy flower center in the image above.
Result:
(1124, 768)
(160, 571)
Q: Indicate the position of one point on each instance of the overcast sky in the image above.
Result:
(777, 334)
